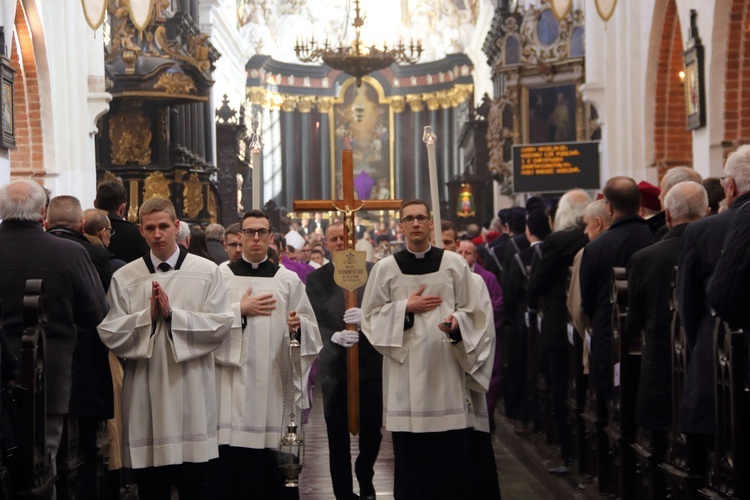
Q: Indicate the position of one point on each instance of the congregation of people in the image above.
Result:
(180, 336)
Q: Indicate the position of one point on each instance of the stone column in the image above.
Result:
(325, 105)
(398, 103)
(289, 190)
(421, 182)
(304, 105)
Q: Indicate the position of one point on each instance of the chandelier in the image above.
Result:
(358, 59)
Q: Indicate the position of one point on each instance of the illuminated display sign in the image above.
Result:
(545, 168)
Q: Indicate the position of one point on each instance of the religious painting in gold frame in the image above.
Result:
(363, 122)
(550, 114)
(7, 109)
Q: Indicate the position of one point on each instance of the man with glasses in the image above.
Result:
(712, 248)
(422, 313)
(269, 303)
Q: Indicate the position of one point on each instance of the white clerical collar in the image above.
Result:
(535, 243)
(472, 267)
(172, 261)
(255, 265)
(419, 255)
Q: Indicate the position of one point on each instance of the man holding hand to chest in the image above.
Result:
(269, 302)
(421, 311)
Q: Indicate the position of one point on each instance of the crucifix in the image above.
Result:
(348, 207)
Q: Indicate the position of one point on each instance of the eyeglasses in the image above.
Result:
(111, 231)
(250, 233)
(234, 245)
(419, 218)
(722, 179)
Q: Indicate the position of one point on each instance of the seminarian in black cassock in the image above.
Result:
(328, 302)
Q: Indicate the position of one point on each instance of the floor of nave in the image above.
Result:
(519, 479)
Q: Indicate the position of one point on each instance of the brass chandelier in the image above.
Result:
(358, 59)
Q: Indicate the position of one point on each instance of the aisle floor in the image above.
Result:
(518, 480)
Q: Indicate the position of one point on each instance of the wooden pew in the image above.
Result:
(31, 476)
(626, 364)
(4, 472)
(682, 482)
(728, 462)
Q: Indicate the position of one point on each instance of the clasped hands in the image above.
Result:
(419, 303)
(160, 307)
(347, 338)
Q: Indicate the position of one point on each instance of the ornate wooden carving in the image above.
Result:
(192, 193)
(130, 136)
(155, 186)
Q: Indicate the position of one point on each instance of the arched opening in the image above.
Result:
(673, 144)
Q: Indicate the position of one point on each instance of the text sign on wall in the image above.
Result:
(544, 168)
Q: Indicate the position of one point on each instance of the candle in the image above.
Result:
(255, 147)
(429, 139)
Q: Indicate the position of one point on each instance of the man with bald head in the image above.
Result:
(650, 274)
(628, 234)
(76, 301)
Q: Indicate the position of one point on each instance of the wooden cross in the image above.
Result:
(348, 206)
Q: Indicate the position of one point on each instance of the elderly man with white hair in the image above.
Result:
(76, 301)
(699, 255)
(650, 274)
(672, 177)
(548, 282)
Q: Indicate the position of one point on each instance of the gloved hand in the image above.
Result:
(353, 316)
(346, 338)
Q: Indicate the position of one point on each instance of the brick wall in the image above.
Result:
(737, 84)
(673, 144)
(27, 160)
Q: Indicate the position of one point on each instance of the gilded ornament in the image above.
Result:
(193, 196)
(324, 104)
(414, 102)
(175, 83)
(305, 104)
(130, 136)
(213, 206)
(432, 100)
(155, 186)
(398, 103)
(133, 210)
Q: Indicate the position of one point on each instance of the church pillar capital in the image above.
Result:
(304, 104)
(324, 104)
(398, 103)
(432, 100)
(289, 102)
(414, 102)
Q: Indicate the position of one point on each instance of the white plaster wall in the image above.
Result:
(482, 70)
(68, 53)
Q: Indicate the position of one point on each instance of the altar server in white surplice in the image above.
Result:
(168, 313)
(268, 302)
(423, 313)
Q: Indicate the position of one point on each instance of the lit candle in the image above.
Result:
(255, 147)
(429, 139)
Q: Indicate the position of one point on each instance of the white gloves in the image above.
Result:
(353, 316)
(346, 338)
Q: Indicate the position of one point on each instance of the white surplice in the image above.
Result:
(478, 383)
(424, 378)
(252, 363)
(168, 402)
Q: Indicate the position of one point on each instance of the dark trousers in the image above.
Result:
(516, 406)
(247, 473)
(155, 483)
(431, 465)
(87, 437)
(484, 469)
(557, 381)
(370, 436)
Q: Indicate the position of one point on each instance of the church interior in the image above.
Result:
(223, 106)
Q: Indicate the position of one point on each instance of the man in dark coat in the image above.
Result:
(215, 243)
(92, 380)
(548, 282)
(700, 251)
(650, 274)
(76, 302)
(327, 300)
(671, 178)
(627, 234)
(127, 243)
